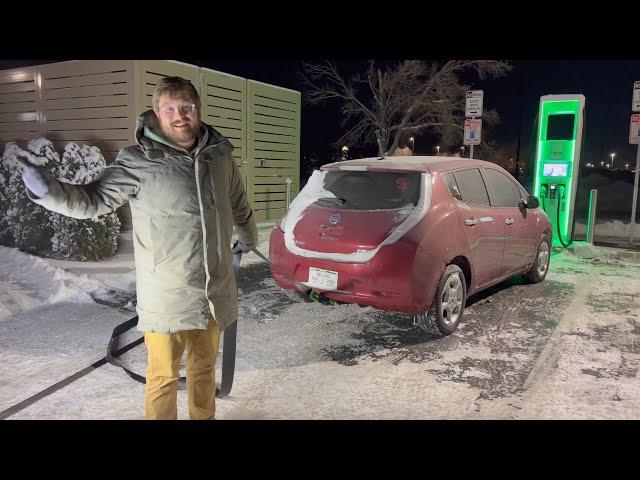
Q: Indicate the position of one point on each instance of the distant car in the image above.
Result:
(410, 234)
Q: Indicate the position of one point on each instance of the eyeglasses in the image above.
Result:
(184, 109)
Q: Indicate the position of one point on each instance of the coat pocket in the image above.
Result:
(142, 244)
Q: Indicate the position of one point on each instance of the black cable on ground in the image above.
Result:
(62, 383)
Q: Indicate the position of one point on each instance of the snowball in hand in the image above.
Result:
(34, 180)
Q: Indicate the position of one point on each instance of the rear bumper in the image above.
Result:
(386, 282)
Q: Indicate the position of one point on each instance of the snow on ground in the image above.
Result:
(588, 368)
(42, 346)
(609, 228)
(50, 326)
(523, 351)
(51, 283)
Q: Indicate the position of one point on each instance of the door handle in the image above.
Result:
(470, 222)
(509, 221)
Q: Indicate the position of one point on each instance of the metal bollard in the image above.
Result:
(591, 222)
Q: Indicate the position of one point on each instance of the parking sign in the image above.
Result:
(473, 107)
(634, 130)
(635, 107)
(472, 131)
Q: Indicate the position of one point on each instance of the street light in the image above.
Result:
(438, 149)
(612, 155)
(462, 148)
(345, 152)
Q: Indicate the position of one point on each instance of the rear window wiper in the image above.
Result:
(340, 201)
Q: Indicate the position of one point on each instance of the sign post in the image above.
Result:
(473, 127)
(634, 139)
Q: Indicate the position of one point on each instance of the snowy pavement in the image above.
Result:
(566, 348)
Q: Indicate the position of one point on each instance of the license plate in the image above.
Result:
(323, 279)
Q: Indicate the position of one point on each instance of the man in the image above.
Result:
(185, 192)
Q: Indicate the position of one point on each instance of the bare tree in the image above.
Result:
(413, 96)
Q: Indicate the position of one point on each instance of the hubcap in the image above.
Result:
(543, 258)
(451, 299)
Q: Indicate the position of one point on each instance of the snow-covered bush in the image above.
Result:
(83, 239)
(6, 235)
(28, 223)
(34, 229)
(80, 165)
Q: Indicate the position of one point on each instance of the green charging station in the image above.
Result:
(560, 125)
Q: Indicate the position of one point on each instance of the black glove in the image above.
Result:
(239, 247)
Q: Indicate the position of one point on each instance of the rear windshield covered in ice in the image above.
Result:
(370, 190)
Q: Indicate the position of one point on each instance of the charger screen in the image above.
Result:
(560, 126)
(554, 169)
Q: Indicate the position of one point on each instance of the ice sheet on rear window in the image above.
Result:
(370, 190)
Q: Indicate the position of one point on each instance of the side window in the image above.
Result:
(471, 186)
(453, 186)
(504, 192)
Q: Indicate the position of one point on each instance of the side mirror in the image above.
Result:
(532, 202)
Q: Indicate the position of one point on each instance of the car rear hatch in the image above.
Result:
(348, 215)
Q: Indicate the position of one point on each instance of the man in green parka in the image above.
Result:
(185, 192)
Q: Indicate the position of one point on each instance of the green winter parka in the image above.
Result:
(183, 207)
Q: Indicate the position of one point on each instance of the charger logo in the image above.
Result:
(335, 218)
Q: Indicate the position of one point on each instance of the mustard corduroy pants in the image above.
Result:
(164, 353)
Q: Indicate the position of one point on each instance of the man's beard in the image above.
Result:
(182, 136)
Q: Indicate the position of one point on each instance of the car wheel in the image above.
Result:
(540, 267)
(448, 303)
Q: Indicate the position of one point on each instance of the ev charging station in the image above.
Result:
(560, 125)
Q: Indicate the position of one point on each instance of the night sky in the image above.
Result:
(606, 84)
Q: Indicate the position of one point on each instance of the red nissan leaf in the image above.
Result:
(416, 235)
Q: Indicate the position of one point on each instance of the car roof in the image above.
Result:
(416, 163)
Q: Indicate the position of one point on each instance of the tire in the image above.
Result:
(538, 271)
(449, 301)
